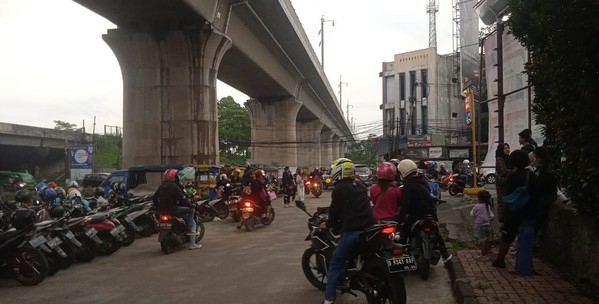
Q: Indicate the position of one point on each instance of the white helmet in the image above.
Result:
(466, 161)
(223, 176)
(73, 184)
(407, 167)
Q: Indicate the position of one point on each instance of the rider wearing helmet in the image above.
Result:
(395, 162)
(351, 213)
(170, 198)
(259, 193)
(385, 195)
(417, 203)
(236, 177)
(431, 171)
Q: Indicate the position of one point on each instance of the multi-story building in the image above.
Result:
(423, 108)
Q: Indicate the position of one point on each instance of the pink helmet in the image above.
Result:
(386, 171)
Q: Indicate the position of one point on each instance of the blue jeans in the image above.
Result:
(187, 214)
(345, 247)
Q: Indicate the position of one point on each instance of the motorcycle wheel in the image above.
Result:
(453, 191)
(316, 194)
(423, 264)
(200, 230)
(169, 244)
(250, 224)
(222, 211)
(270, 217)
(29, 266)
(88, 250)
(148, 226)
(314, 267)
(390, 288)
(109, 243)
(53, 264)
(130, 236)
(67, 261)
(205, 215)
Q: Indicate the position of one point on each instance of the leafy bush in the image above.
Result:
(563, 38)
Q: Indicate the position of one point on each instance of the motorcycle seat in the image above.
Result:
(75, 220)
(9, 234)
(136, 207)
(99, 217)
(44, 224)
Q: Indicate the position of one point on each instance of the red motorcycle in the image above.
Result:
(108, 232)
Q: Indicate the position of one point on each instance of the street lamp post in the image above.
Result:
(322, 21)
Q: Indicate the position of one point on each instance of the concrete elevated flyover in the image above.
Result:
(41, 151)
(171, 54)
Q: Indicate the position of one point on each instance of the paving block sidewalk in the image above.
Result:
(494, 285)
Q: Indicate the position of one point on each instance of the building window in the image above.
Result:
(402, 86)
(412, 83)
(424, 83)
(424, 119)
(402, 122)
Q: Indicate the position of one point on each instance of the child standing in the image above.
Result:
(483, 215)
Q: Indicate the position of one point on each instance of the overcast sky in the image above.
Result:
(54, 64)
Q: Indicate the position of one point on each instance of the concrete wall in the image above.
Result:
(571, 243)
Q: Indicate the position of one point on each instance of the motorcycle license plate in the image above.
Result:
(114, 231)
(400, 264)
(91, 232)
(37, 241)
(164, 226)
(129, 219)
(53, 243)
(69, 235)
(120, 228)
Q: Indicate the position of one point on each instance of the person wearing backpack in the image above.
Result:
(517, 181)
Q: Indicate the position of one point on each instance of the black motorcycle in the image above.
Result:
(375, 270)
(173, 232)
(251, 213)
(18, 253)
(423, 240)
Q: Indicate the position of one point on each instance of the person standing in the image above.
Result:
(483, 215)
(287, 186)
(511, 225)
(524, 140)
(299, 181)
(503, 168)
(350, 211)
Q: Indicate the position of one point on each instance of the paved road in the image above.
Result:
(234, 266)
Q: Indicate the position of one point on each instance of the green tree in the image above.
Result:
(234, 131)
(107, 154)
(63, 125)
(364, 152)
(563, 38)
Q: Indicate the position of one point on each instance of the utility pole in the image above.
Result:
(322, 21)
(341, 83)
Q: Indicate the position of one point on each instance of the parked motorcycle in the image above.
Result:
(173, 232)
(56, 257)
(423, 236)
(108, 232)
(18, 253)
(251, 213)
(376, 269)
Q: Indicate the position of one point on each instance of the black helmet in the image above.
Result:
(78, 211)
(57, 211)
(23, 218)
(98, 192)
(394, 161)
(23, 196)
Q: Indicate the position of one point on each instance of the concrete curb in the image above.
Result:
(462, 288)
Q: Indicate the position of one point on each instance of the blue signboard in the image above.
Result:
(81, 157)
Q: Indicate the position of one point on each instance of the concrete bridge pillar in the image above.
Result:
(169, 93)
(308, 143)
(274, 130)
(326, 148)
(341, 148)
(335, 146)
